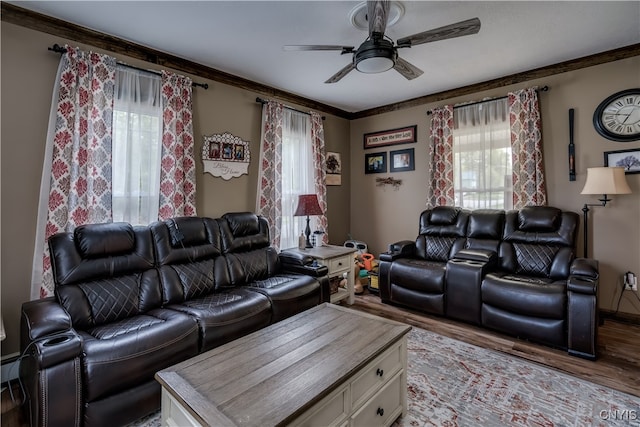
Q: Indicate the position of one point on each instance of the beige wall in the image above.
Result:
(382, 215)
(376, 215)
(28, 74)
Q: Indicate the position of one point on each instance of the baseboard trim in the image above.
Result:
(631, 318)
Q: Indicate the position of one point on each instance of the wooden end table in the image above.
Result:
(338, 260)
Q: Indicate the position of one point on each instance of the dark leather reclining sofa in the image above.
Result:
(130, 301)
(511, 271)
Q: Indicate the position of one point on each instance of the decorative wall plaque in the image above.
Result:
(225, 156)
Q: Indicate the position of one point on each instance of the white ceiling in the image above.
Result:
(245, 38)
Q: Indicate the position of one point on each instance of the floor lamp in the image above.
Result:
(308, 205)
(602, 180)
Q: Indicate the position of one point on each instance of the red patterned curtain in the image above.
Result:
(526, 146)
(79, 140)
(178, 169)
(319, 158)
(440, 191)
(270, 169)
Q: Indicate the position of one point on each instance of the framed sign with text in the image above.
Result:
(390, 137)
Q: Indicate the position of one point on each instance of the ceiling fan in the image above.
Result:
(378, 53)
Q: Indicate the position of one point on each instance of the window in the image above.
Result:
(136, 145)
(482, 156)
(297, 173)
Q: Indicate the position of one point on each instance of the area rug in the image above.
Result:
(452, 383)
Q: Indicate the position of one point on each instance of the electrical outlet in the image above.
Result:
(630, 281)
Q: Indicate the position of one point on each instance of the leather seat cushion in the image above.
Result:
(123, 354)
(289, 293)
(418, 275)
(226, 315)
(548, 331)
(528, 296)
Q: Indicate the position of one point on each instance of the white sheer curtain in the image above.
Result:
(482, 156)
(297, 174)
(137, 130)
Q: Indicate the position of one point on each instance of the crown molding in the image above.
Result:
(46, 24)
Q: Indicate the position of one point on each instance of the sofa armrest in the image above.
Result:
(42, 318)
(584, 267)
(582, 308)
(479, 255)
(301, 263)
(401, 249)
(584, 276)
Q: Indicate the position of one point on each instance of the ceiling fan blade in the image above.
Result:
(344, 49)
(462, 28)
(407, 69)
(340, 74)
(377, 13)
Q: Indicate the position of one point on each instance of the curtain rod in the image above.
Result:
(543, 89)
(264, 101)
(59, 49)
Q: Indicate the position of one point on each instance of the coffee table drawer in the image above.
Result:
(333, 410)
(376, 374)
(383, 408)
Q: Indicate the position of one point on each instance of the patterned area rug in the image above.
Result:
(451, 383)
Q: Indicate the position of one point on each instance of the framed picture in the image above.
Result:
(390, 137)
(333, 169)
(375, 162)
(402, 160)
(628, 159)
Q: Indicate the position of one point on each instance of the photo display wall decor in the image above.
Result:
(390, 137)
(225, 156)
(399, 160)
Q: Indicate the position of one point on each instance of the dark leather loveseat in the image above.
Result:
(130, 301)
(512, 271)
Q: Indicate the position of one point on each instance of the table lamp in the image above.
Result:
(602, 180)
(308, 205)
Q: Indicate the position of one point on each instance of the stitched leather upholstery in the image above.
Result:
(196, 281)
(507, 271)
(130, 301)
(255, 265)
(106, 281)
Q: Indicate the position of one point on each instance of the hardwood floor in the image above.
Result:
(618, 364)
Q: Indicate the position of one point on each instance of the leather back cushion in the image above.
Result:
(485, 229)
(243, 231)
(442, 233)
(539, 241)
(201, 240)
(247, 267)
(104, 272)
(184, 281)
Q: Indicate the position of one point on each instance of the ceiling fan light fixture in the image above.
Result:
(375, 65)
(375, 56)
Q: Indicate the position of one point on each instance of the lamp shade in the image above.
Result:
(308, 205)
(606, 180)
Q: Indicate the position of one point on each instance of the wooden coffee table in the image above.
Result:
(329, 365)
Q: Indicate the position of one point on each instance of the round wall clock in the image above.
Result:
(618, 117)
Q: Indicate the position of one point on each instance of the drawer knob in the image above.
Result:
(379, 372)
(380, 411)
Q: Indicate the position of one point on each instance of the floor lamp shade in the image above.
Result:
(602, 180)
(308, 205)
(605, 180)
